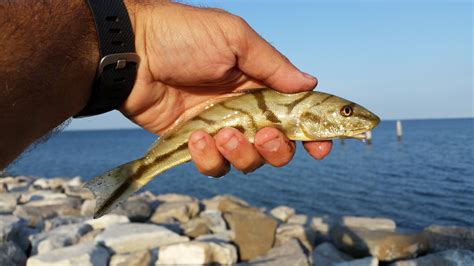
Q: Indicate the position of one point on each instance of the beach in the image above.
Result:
(49, 222)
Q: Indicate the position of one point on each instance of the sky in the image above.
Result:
(400, 59)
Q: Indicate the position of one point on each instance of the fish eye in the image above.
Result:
(346, 111)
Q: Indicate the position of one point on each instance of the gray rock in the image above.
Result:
(452, 257)
(198, 253)
(224, 236)
(78, 191)
(139, 258)
(16, 184)
(50, 224)
(224, 203)
(56, 184)
(181, 211)
(88, 208)
(136, 209)
(369, 223)
(368, 261)
(215, 222)
(35, 211)
(172, 197)
(40, 195)
(326, 254)
(282, 213)
(299, 219)
(59, 237)
(90, 236)
(11, 254)
(74, 182)
(291, 253)
(286, 232)
(14, 229)
(196, 227)
(8, 202)
(449, 237)
(86, 254)
(107, 220)
(119, 237)
(384, 245)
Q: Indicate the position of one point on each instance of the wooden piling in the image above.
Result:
(399, 130)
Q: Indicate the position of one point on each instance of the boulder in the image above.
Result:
(196, 227)
(11, 254)
(449, 237)
(224, 236)
(452, 257)
(384, 245)
(119, 237)
(290, 253)
(136, 209)
(90, 236)
(16, 184)
(254, 231)
(8, 202)
(78, 191)
(299, 219)
(86, 254)
(107, 220)
(40, 195)
(369, 223)
(321, 228)
(88, 208)
(35, 211)
(198, 253)
(282, 213)
(62, 236)
(3, 188)
(368, 261)
(224, 203)
(55, 184)
(326, 254)
(14, 229)
(50, 224)
(172, 197)
(139, 258)
(181, 211)
(74, 182)
(287, 232)
(214, 220)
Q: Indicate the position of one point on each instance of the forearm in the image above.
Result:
(48, 62)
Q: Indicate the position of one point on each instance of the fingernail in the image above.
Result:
(272, 145)
(308, 76)
(200, 144)
(231, 144)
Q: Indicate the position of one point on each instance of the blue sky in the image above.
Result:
(401, 59)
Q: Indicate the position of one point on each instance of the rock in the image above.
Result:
(11, 254)
(16, 184)
(369, 223)
(3, 188)
(321, 227)
(171, 197)
(39, 195)
(59, 237)
(298, 219)
(55, 184)
(282, 213)
(14, 229)
(181, 211)
(452, 257)
(136, 209)
(287, 232)
(449, 237)
(119, 237)
(107, 220)
(8, 203)
(88, 208)
(368, 261)
(90, 236)
(326, 254)
(78, 191)
(198, 253)
(254, 231)
(50, 224)
(215, 222)
(196, 227)
(74, 182)
(139, 258)
(83, 254)
(290, 253)
(35, 211)
(224, 236)
(384, 245)
(224, 203)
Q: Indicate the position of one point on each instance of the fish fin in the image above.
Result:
(113, 187)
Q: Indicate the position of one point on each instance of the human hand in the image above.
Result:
(190, 56)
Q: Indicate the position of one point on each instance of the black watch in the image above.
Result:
(118, 65)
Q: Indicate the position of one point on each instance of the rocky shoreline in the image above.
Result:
(49, 222)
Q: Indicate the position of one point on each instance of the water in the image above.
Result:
(428, 178)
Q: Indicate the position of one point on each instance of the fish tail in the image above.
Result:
(114, 187)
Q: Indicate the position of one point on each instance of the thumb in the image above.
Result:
(258, 59)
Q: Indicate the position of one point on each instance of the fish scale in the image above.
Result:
(305, 116)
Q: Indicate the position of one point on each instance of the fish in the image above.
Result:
(304, 116)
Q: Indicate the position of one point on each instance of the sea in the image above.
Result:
(426, 178)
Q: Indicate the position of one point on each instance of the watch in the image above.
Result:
(118, 65)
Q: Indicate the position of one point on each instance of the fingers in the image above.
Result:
(318, 149)
(205, 155)
(258, 59)
(274, 146)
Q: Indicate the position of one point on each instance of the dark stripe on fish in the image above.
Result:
(294, 103)
(264, 108)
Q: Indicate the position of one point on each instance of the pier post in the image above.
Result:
(399, 130)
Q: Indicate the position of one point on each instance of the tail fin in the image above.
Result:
(114, 187)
